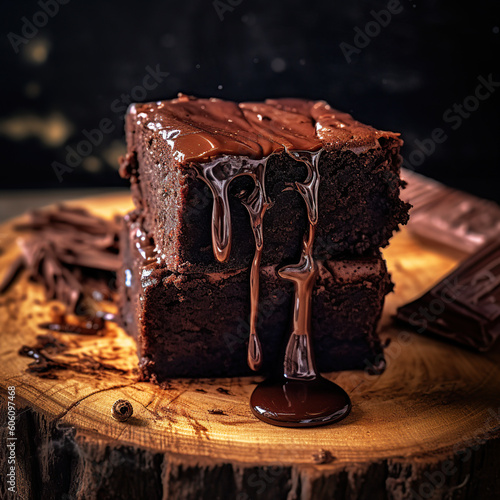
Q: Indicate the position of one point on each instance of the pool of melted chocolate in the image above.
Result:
(299, 402)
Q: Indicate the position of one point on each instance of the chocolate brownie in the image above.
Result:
(197, 324)
(183, 152)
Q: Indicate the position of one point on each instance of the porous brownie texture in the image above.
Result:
(359, 204)
(197, 324)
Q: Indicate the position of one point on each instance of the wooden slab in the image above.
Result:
(429, 427)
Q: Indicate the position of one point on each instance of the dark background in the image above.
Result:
(71, 75)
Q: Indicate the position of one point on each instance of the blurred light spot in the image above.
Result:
(113, 152)
(302, 62)
(278, 65)
(197, 66)
(32, 90)
(92, 164)
(496, 30)
(249, 19)
(37, 51)
(51, 131)
(168, 40)
(401, 82)
(256, 60)
(220, 87)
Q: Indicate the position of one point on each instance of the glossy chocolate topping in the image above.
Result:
(201, 129)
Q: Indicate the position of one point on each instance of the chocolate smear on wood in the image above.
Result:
(47, 346)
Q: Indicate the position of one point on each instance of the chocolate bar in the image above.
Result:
(464, 306)
(448, 216)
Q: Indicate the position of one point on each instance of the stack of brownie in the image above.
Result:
(214, 181)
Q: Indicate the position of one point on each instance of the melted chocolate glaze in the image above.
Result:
(201, 129)
(302, 398)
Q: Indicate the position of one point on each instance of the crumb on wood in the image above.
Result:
(223, 391)
(216, 412)
(323, 457)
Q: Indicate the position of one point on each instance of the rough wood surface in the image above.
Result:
(429, 427)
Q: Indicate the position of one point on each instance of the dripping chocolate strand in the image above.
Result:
(256, 204)
(221, 213)
(299, 356)
(218, 175)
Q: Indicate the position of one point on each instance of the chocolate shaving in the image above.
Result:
(16, 267)
(42, 362)
(91, 327)
(71, 252)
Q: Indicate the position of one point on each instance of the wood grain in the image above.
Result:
(429, 427)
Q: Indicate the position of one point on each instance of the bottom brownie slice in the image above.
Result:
(197, 324)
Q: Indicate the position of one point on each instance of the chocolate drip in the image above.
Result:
(256, 204)
(89, 327)
(299, 361)
(218, 175)
(299, 396)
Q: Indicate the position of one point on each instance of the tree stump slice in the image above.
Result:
(429, 427)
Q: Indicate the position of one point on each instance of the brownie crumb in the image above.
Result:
(216, 412)
(323, 457)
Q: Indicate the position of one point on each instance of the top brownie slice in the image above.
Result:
(182, 151)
